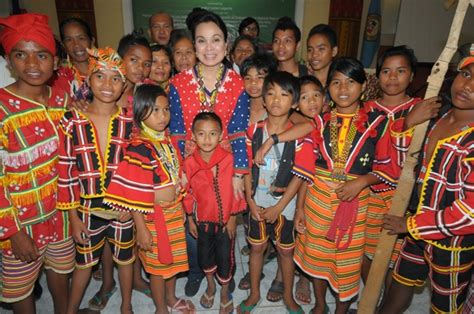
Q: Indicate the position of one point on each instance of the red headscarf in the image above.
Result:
(28, 27)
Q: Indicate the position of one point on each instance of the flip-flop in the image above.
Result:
(301, 294)
(146, 292)
(180, 307)
(246, 308)
(207, 301)
(244, 283)
(227, 308)
(99, 302)
(276, 288)
(298, 311)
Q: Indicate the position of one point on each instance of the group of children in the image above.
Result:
(323, 168)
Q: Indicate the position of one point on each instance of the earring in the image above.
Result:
(331, 104)
(362, 97)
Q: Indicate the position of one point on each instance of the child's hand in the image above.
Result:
(80, 234)
(259, 158)
(349, 190)
(231, 226)
(184, 180)
(395, 224)
(423, 111)
(144, 239)
(23, 247)
(192, 227)
(255, 211)
(124, 216)
(270, 214)
(300, 221)
(80, 105)
(238, 186)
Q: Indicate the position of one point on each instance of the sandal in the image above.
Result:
(298, 311)
(180, 307)
(227, 308)
(303, 293)
(207, 301)
(326, 309)
(275, 293)
(242, 308)
(146, 292)
(99, 301)
(244, 283)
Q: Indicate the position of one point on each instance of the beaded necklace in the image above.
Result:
(338, 172)
(203, 98)
(166, 152)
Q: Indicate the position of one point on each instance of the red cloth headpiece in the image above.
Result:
(28, 27)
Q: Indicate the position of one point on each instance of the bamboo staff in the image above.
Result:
(371, 293)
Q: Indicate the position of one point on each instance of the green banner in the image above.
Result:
(266, 12)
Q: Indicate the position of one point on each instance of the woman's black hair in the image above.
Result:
(325, 30)
(350, 67)
(132, 39)
(208, 16)
(286, 23)
(246, 22)
(261, 62)
(207, 116)
(177, 35)
(309, 79)
(190, 19)
(402, 51)
(286, 81)
(144, 100)
(158, 47)
(75, 20)
(242, 38)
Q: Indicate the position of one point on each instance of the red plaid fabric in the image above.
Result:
(84, 173)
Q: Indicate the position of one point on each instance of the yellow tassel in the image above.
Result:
(21, 120)
(7, 212)
(23, 178)
(34, 196)
(56, 114)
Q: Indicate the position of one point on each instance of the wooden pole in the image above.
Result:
(373, 287)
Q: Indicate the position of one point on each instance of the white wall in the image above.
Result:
(424, 25)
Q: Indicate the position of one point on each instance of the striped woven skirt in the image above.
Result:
(379, 205)
(174, 219)
(318, 256)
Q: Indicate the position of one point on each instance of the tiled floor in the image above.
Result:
(142, 304)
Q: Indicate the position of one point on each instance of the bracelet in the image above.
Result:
(274, 137)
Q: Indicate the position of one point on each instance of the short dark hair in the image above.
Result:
(286, 81)
(403, 51)
(208, 16)
(350, 67)
(75, 20)
(261, 62)
(324, 30)
(309, 79)
(132, 39)
(158, 47)
(246, 22)
(207, 116)
(286, 23)
(177, 35)
(242, 38)
(144, 100)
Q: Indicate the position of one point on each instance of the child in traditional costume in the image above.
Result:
(440, 243)
(90, 150)
(32, 232)
(271, 188)
(147, 184)
(354, 154)
(212, 217)
(395, 70)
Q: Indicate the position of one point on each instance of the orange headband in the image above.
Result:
(105, 59)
